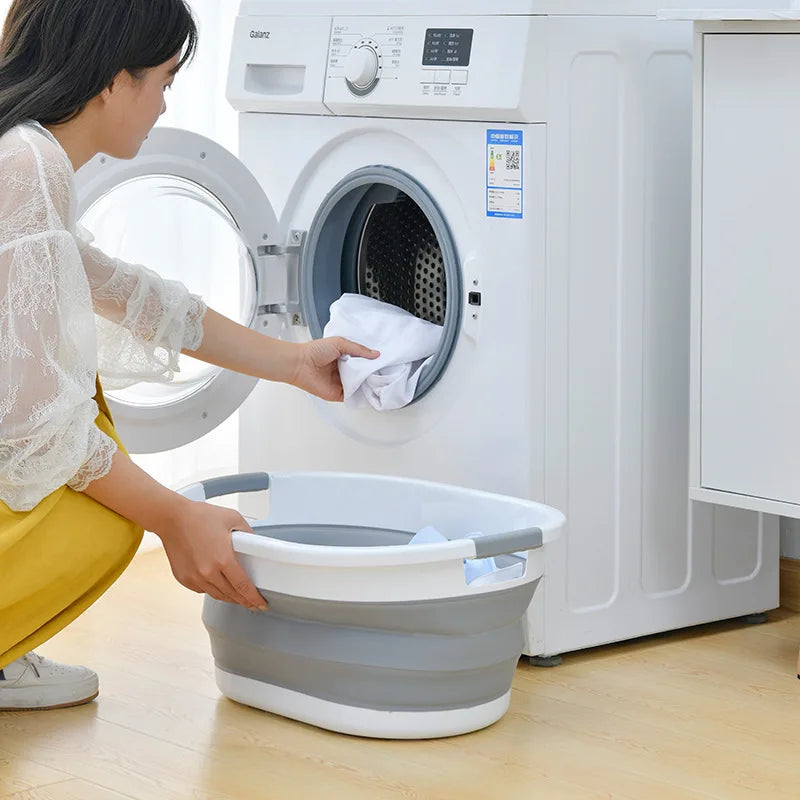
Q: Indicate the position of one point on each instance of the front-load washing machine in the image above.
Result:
(517, 173)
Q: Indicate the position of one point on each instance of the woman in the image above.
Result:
(79, 77)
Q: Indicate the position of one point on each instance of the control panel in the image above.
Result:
(428, 67)
(446, 56)
(361, 60)
(414, 64)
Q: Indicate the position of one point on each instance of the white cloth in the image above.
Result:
(52, 283)
(406, 344)
(477, 571)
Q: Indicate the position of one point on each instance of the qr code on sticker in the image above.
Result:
(512, 159)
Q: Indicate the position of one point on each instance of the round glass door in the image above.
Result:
(189, 210)
(183, 232)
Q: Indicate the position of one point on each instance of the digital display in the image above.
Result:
(447, 47)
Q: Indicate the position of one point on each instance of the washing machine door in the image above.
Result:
(191, 211)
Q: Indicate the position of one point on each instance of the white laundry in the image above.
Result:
(405, 342)
(477, 571)
(499, 575)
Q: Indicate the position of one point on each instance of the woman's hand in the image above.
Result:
(196, 536)
(312, 366)
(198, 542)
(318, 368)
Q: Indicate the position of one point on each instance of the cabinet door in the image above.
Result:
(750, 266)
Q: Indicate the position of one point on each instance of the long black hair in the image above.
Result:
(56, 55)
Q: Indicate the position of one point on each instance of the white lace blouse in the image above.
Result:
(67, 313)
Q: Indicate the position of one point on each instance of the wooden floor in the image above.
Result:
(709, 713)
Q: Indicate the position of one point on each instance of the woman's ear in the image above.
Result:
(116, 84)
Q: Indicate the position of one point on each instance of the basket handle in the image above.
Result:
(486, 544)
(501, 544)
(227, 484)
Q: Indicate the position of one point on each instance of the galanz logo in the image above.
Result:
(260, 34)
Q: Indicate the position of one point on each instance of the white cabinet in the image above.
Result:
(746, 266)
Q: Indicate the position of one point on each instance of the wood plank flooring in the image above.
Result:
(713, 712)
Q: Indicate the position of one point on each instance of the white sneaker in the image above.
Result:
(33, 682)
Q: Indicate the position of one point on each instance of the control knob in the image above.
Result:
(362, 68)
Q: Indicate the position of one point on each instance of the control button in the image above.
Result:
(459, 76)
(442, 76)
(428, 75)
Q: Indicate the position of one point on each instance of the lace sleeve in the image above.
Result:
(143, 320)
(48, 436)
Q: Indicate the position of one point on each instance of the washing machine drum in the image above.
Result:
(380, 234)
(400, 259)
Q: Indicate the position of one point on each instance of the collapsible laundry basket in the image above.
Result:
(367, 634)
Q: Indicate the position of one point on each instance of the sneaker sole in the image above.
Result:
(71, 704)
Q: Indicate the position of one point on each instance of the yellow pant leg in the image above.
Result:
(55, 561)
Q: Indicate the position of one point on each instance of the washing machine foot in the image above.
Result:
(545, 661)
(755, 619)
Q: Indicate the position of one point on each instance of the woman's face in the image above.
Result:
(132, 107)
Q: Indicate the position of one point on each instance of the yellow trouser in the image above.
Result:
(57, 559)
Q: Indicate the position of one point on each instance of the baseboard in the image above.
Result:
(790, 584)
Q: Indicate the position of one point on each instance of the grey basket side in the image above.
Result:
(422, 656)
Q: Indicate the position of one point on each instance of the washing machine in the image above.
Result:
(517, 172)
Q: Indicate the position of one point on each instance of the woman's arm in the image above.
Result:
(233, 346)
(144, 322)
(312, 366)
(196, 536)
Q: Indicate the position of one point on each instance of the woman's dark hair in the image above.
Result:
(56, 55)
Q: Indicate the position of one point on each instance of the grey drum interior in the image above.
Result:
(380, 234)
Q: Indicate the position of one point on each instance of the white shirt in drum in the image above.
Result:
(68, 312)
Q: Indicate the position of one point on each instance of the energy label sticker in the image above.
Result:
(504, 174)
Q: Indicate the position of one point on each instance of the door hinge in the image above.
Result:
(293, 246)
(279, 294)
